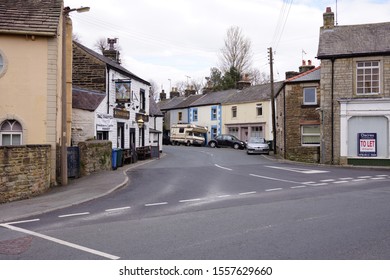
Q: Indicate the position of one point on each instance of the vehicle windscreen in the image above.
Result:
(256, 140)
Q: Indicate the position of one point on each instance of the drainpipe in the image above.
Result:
(284, 123)
(332, 111)
(108, 91)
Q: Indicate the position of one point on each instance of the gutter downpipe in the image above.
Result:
(284, 123)
(332, 111)
(108, 90)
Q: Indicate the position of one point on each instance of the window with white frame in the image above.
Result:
(257, 131)
(2, 64)
(310, 96)
(367, 77)
(214, 131)
(234, 112)
(310, 135)
(10, 133)
(259, 110)
(213, 113)
(195, 115)
(233, 131)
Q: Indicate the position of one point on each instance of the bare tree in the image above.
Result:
(236, 53)
(257, 77)
(101, 44)
(154, 90)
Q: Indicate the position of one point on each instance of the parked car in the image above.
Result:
(257, 145)
(227, 140)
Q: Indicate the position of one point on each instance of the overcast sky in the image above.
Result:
(173, 39)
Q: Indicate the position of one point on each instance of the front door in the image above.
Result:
(120, 135)
(244, 134)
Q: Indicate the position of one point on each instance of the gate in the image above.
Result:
(73, 162)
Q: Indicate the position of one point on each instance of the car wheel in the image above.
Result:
(212, 144)
(236, 146)
(188, 143)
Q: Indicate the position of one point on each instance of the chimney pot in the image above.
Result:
(303, 62)
(328, 9)
(309, 62)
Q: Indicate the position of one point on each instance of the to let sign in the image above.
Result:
(367, 145)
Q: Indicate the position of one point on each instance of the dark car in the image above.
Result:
(227, 140)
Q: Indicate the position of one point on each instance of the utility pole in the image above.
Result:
(272, 98)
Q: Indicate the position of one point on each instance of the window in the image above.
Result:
(213, 113)
(257, 131)
(195, 115)
(310, 96)
(214, 131)
(10, 133)
(310, 135)
(367, 77)
(259, 110)
(233, 131)
(234, 112)
(3, 64)
(180, 116)
(142, 100)
(102, 135)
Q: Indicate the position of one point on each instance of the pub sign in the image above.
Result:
(122, 91)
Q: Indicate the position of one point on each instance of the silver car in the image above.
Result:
(257, 145)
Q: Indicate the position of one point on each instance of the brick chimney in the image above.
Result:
(174, 92)
(112, 53)
(328, 18)
(163, 95)
(244, 82)
(189, 91)
(304, 67)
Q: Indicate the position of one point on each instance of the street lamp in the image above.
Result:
(140, 123)
(64, 161)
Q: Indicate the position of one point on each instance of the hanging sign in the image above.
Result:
(122, 91)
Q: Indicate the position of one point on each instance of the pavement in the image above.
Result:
(77, 191)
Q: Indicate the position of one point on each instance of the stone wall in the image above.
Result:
(95, 156)
(88, 72)
(24, 171)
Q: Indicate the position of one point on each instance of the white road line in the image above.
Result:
(225, 168)
(340, 182)
(378, 178)
(118, 209)
(223, 196)
(319, 184)
(156, 204)
(359, 180)
(311, 182)
(190, 200)
(275, 179)
(25, 221)
(328, 180)
(299, 187)
(274, 190)
(347, 178)
(61, 242)
(246, 193)
(364, 177)
(382, 175)
(74, 214)
(299, 170)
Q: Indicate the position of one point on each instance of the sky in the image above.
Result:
(171, 41)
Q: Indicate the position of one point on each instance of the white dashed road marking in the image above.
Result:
(72, 215)
(156, 204)
(274, 190)
(275, 179)
(246, 193)
(190, 200)
(225, 168)
(118, 209)
(22, 222)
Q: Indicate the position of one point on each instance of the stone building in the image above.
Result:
(298, 117)
(123, 115)
(355, 92)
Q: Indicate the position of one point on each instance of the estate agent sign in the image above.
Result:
(367, 145)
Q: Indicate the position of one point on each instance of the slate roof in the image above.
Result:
(31, 17)
(86, 99)
(154, 111)
(187, 101)
(111, 63)
(354, 40)
(168, 104)
(254, 93)
(308, 76)
(214, 98)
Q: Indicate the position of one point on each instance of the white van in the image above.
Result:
(187, 134)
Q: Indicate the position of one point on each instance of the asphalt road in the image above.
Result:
(203, 203)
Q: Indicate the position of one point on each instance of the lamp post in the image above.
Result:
(64, 161)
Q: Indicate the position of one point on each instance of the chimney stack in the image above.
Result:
(328, 18)
(163, 95)
(112, 53)
(305, 67)
(174, 92)
(244, 83)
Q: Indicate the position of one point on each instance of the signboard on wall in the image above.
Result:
(122, 91)
(367, 145)
(121, 114)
